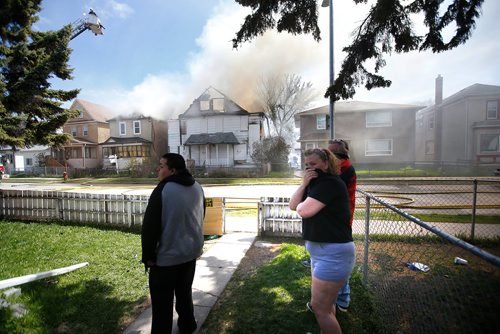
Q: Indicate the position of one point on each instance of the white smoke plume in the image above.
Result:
(234, 72)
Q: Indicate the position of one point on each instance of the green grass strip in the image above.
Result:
(272, 300)
(95, 299)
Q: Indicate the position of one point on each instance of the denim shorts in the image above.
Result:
(331, 261)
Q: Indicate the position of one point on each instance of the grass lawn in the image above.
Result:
(272, 298)
(99, 298)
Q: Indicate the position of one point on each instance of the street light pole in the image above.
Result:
(331, 109)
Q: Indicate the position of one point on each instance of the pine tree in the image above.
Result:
(387, 28)
(30, 111)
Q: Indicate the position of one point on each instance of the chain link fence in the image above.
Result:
(467, 208)
(408, 235)
(410, 266)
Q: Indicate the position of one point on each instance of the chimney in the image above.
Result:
(439, 90)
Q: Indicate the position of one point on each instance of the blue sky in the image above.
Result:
(156, 56)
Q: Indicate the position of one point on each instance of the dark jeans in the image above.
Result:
(163, 283)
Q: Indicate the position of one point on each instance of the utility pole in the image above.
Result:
(331, 108)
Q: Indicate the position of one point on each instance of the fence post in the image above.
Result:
(129, 209)
(474, 202)
(224, 215)
(2, 205)
(59, 208)
(366, 241)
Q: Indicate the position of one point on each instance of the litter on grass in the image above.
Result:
(417, 266)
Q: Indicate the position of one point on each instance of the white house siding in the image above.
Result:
(253, 136)
(239, 126)
(215, 124)
(222, 154)
(173, 136)
(194, 126)
(240, 152)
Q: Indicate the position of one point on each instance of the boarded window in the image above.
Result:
(218, 105)
(378, 147)
(378, 119)
(205, 105)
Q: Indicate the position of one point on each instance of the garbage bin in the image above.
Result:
(214, 217)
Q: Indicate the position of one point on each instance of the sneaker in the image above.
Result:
(306, 263)
(342, 308)
(309, 307)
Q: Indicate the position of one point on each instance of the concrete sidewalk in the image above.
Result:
(213, 271)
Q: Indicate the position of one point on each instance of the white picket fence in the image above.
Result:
(276, 218)
(75, 207)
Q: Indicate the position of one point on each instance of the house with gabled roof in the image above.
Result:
(460, 130)
(215, 131)
(88, 130)
(134, 138)
(377, 133)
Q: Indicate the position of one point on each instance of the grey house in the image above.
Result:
(377, 133)
(460, 130)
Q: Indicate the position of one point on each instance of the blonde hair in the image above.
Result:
(326, 155)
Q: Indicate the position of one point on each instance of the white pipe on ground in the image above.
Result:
(7, 283)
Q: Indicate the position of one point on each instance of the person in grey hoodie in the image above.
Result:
(172, 240)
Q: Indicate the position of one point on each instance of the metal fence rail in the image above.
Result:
(423, 197)
(449, 298)
(470, 199)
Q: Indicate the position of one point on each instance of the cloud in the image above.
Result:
(111, 8)
(122, 10)
(236, 72)
(233, 71)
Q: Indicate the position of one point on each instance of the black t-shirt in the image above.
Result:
(330, 224)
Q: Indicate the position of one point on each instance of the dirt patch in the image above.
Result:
(138, 309)
(259, 254)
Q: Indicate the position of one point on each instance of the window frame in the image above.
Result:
(320, 119)
(377, 124)
(88, 152)
(139, 127)
(431, 122)
(492, 135)
(378, 153)
(495, 109)
(311, 146)
(124, 133)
